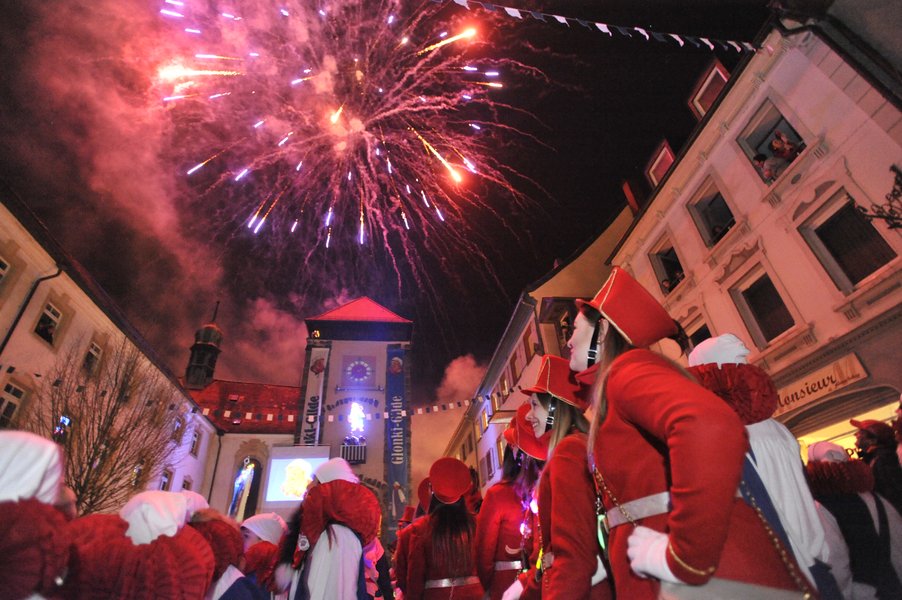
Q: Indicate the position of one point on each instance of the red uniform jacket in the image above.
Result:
(419, 568)
(663, 432)
(567, 527)
(400, 558)
(498, 537)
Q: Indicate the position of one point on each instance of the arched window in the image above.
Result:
(246, 489)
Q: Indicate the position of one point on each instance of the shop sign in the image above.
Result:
(817, 384)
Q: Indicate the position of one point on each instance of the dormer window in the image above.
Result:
(659, 164)
(708, 89)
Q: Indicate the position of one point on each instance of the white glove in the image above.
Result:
(647, 551)
(600, 572)
(514, 591)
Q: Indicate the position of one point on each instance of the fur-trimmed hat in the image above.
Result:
(335, 468)
(269, 527)
(631, 310)
(224, 540)
(450, 479)
(556, 378)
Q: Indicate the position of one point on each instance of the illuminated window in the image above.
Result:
(708, 89)
(659, 164)
(195, 442)
(166, 480)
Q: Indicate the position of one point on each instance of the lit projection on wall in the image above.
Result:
(356, 418)
(241, 489)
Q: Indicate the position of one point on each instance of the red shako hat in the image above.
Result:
(632, 310)
(424, 494)
(510, 434)
(450, 479)
(408, 516)
(556, 378)
(535, 447)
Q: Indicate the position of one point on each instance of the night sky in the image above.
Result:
(81, 144)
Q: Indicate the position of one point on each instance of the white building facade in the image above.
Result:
(50, 307)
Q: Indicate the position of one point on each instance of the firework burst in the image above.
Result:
(343, 126)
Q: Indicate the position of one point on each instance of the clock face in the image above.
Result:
(359, 371)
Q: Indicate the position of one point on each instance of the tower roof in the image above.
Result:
(360, 310)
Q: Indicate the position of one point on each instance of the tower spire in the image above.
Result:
(215, 311)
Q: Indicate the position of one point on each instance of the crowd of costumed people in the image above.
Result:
(625, 475)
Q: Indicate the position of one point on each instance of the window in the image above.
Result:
(660, 163)
(48, 323)
(708, 89)
(484, 421)
(770, 142)
(711, 214)
(178, 428)
(515, 371)
(845, 242)
(528, 345)
(762, 309)
(166, 480)
(699, 335)
(187, 483)
(10, 401)
(667, 267)
(92, 358)
(4, 269)
(195, 443)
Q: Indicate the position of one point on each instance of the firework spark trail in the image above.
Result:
(383, 105)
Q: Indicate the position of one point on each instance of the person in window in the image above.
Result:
(770, 167)
(571, 565)
(667, 456)
(782, 147)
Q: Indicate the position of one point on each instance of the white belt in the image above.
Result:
(641, 508)
(451, 582)
(508, 565)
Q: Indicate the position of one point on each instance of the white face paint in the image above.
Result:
(537, 416)
(581, 340)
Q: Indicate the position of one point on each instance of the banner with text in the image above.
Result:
(311, 418)
(397, 438)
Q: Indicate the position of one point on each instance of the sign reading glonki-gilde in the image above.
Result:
(397, 435)
(817, 384)
(310, 428)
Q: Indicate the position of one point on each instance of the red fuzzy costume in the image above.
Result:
(261, 560)
(498, 537)
(108, 565)
(567, 527)
(746, 388)
(225, 542)
(830, 478)
(34, 549)
(664, 432)
(342, 502)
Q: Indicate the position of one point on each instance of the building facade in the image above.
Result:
(51, 312)
(764, 226)
(352, 402)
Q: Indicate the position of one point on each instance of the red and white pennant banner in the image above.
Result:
(646, 34)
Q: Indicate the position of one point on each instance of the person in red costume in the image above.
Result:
(666, 455)
(499, 540)
(399, 560)
(570, 565)
(535, 450)
(441, 546)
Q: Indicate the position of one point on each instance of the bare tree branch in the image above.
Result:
(125, 423)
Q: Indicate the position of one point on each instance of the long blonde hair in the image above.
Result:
(566, 417)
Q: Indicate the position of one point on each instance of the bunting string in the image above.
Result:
(631, 32)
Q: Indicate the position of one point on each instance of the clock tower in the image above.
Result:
(355, 389)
